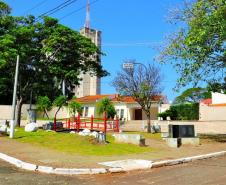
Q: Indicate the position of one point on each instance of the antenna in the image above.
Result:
(87, 23)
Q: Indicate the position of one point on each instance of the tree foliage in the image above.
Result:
(105, 105)
(187, 111)
(74, 107)
(198, 49)
(59, 102)
(142, 83)
(191, 95)
(217, 87)
(49, 53)
(195, 95)
(43, 104)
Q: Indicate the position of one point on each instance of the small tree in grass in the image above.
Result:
(59, 102)
(142, 83)
(74, 107)
(43, 104)
(105, 105)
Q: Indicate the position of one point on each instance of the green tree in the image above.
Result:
(105, 105)
(143, 84)
(191, 95)
(59, 102)
(43, 104)
(198, 49)
(217, 87)
(74, 107)
(44, 63)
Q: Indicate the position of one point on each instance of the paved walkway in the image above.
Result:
(44, 156)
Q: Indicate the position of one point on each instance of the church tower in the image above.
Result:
(90, 85)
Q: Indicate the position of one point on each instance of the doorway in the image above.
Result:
(138, 114)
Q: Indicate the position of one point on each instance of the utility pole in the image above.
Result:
(12, 122)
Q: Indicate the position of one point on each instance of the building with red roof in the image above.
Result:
(126, 107)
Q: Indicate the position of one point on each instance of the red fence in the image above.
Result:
(98, 124)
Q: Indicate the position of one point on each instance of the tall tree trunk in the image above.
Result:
(45, 113)
(148, 122)
(18, 111)
(149, 125)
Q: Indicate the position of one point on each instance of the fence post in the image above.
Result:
(74, 123)
(69, 123)
(54, 124)
(92, 122)
(117, 124)
(105, 123)
(78, 123)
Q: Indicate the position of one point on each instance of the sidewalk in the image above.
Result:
(46, 157)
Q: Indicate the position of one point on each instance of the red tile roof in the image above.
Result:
(113, 97)
(94, 98)
(206, 101)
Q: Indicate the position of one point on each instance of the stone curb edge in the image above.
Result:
(89, 171)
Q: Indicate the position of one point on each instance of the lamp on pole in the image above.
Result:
(130, 65)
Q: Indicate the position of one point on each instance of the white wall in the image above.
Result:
(218, 98)
(163, 107)
(201, 127)
(211, 113)
(6, 111)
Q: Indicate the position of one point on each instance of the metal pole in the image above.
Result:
(14, 99)
(63, 88)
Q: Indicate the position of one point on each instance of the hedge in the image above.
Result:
(182, 112)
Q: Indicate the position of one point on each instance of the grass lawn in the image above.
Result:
(75, 144)
(146, 135)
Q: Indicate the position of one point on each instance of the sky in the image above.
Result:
(124, 25)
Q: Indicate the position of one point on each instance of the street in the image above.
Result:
(211, 172)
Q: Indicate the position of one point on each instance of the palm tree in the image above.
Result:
(105, 105)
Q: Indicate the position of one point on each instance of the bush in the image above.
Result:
(182, 112)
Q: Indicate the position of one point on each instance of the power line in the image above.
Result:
(56, 9)
(136, 44)
(60, 5)
(36, 6)
(77, 10)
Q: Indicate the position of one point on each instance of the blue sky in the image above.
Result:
(121, 22)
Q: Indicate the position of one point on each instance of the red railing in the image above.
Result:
(98, 124)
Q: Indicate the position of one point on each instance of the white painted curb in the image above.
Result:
(186, 159)
(88, 171)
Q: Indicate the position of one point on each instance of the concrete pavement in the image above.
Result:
(206, 172)
(115, 166)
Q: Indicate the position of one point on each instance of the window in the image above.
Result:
(82, 112)
(86, 111)
(117, 112)
(122, 114)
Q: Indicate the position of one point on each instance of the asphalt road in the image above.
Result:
(211, 172)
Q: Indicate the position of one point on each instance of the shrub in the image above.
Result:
(182, 112)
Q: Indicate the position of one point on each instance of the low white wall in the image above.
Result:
(201, 127)
(6, 111)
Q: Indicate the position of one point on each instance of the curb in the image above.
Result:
(90, 171)
(186, 159)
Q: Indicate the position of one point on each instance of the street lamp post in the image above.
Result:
(130, 65)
